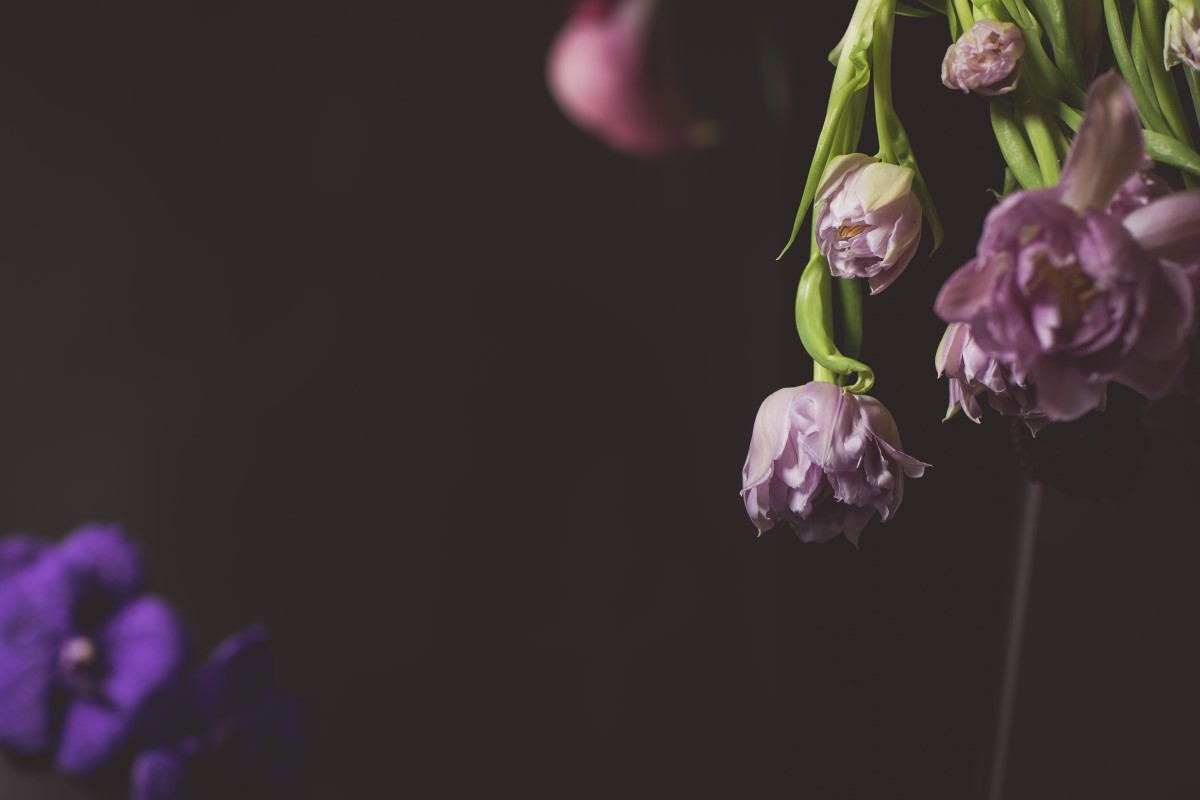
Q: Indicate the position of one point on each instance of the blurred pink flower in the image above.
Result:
(600, 73)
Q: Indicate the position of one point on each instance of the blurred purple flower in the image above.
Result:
(972, 372)
(868, 223)
(824, 461)
(600, 73)
(985, 58)
(82, 651)
(232, 732)
(1072, 297)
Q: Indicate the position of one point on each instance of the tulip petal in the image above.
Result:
(770, 435)
(1169, 227)
(1108, 148)
(1064, 391)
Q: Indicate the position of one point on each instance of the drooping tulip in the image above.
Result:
(824, 461)
(1182, 41)
(1073, 297)
(985, 59)
(868, 223)
(602, 74)
(972, 373)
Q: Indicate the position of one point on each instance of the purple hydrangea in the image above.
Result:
(82, 649)
(868, 221)
(824, 461)
(232, 732)
(1072, 297)
(972, 373)
(985, 58)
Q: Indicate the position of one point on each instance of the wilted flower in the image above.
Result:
(1072, 297)
(1183, 34)
(972, 373)
(81, 649)
(824, 461)
(234, 731)
(985, 58)
(600, 73)
(869, 221)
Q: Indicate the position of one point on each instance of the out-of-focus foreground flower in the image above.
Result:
(1072, 297)
(82, 649)
(232, 731)
(985, 58)
(824, 461)
(869, 221)
(601, 73)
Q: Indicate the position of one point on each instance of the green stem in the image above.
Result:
(1151, 15)
(965, 16)
(850, 294)
(1037, 127)
(881, 73)
(814, 323)
(1193, 82)
(1057, 22)
(1014, 147)
(1125, 63)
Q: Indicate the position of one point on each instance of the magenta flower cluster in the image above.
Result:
(94, 669)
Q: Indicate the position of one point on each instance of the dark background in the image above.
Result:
(359, 337)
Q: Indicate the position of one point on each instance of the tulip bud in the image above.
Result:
(599, 71)
(1183, 34)
(984, 59)
(825, 462)
(869, 221)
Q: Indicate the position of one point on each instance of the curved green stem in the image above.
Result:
(851, 296)
(814, 323)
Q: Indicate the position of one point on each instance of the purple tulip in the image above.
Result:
(1182, 35)
(868, 224)
(972, 373)
(82, 651)
(599, 71)
(1072, 297)
(985, 58)
(824, 461)
(233, 731)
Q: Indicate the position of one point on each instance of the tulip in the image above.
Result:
(824, 461)
(1183, 34)
(985, 58)
(973, 373)
(600, 75)
(869, 221)
(1073, 297)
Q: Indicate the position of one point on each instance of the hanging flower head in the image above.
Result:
(869, 221)
(985, 58)
(972, 373)
(1182, 43)
(824, 461)
(1071, 296)
(600, 73)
